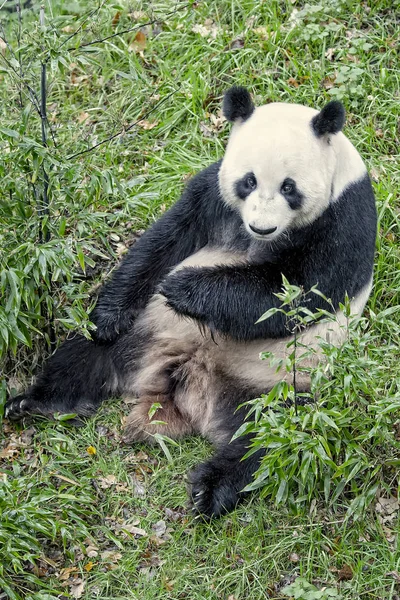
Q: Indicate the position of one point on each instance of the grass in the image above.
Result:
(59, 512)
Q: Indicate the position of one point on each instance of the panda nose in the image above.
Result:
(263, 231)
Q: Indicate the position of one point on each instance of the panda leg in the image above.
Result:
(216, 486)
(167, 420)
(76, 379)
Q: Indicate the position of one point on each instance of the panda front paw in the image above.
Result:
(110, 324)
(182, 294)
(212, 493)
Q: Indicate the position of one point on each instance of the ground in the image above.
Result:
(81, 515)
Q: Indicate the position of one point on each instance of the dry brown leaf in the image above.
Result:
(262, 32)
(82, 117)
(294, 557)
(293, 82)
(205, 130)
(387, 508)
(159, 528)
(208, 30)
(9, 452)
(374, 174)
(91, 551)
(169, 584)
(345, 573)
(237, 44)
(395, 575)
(133, 530)
(107, 481)
(67, 572)
(116, 18)
(138, 43)
(89, 566)
(65, 479)
(147, 124)
(137, 15)
(77, 588)
(329, 82)
(330, 53)
(111, 556)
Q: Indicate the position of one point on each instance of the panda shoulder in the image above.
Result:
(204, 185)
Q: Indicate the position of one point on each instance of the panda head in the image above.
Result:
(283, 163)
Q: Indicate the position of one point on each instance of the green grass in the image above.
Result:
(51, 500)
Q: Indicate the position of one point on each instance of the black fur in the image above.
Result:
(330, 119)
(237, 104)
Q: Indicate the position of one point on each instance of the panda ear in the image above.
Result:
(237, 104)
(329, 120)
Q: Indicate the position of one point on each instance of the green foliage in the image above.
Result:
(30, 518)
(342, 446)
(300, 589)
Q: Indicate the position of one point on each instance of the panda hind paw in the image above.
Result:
(19, 407)
(211, 494)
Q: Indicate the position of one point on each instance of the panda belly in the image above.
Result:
(183, 361)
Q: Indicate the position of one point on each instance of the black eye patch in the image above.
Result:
(245, 185)
(292, 195)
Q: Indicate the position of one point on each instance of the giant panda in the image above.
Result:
(176, 324)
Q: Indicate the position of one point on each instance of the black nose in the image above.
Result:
(263, 231)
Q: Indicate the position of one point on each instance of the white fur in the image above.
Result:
(278, 142)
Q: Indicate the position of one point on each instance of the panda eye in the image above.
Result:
(251, 181)
(287, 187)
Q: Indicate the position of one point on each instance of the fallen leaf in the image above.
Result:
(91, 551)
(345, 573)
(67, 572)
(329, 82)
(205, 130)
(293, 82)
(236, 44)
(137, 15)
(116, 18)
(159, 528)
(138, 43)
(262, 32)
(374, 174)
(107, 481)
(147, 124)
(111, 556)
(133, 530)
(89, 566)
(387, 508)
(77, 588)
(294, 557)
(395, 575)
(82, 117)
(330, 53)
(208, 30)
(68, 29)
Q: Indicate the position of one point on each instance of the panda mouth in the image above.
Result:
(263, 232)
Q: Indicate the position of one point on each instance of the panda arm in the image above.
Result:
(182, 230)
(231, 299)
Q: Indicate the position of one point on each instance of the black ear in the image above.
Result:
(237, 104)
(330, 119)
